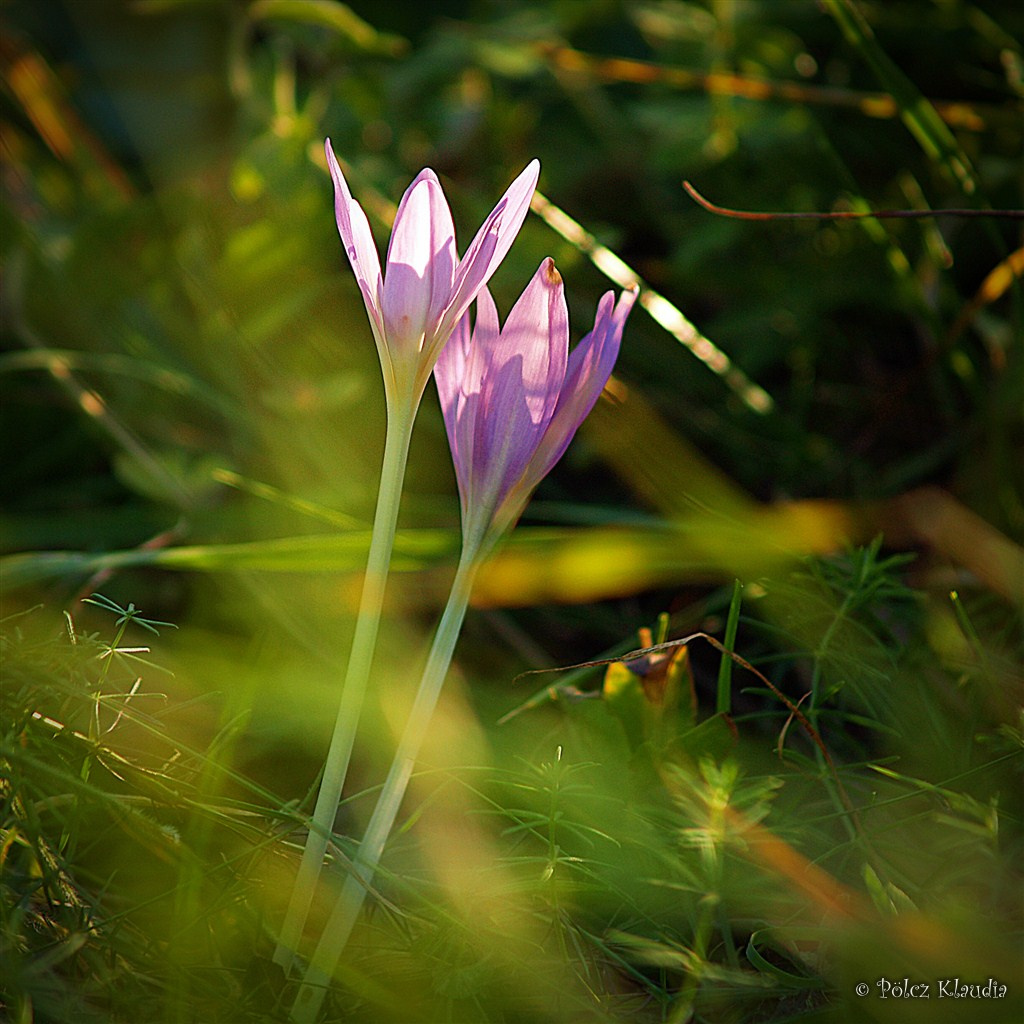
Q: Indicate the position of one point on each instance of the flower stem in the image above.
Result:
(396, 453)
(350, 900)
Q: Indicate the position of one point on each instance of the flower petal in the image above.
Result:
(443, 257)
(420, 265)
(359, 247)
(521, 383)
(449, 373)
(492, 242)
(590, 366)
(486, 335)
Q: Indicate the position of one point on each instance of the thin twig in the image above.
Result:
(725, 211)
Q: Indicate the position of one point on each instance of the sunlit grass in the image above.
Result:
(637, 865)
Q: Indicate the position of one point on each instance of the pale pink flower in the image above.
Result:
(425, 289)
(513, 397)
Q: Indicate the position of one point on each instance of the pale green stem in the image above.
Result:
(396, 452)
(343, 918)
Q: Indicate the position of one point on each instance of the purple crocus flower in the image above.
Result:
(513, 397)
(425, 289)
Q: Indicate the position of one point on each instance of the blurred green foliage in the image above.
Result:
(192, 423)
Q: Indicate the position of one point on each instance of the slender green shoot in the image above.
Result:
(723, 699)
(346, 910)
(396, 453)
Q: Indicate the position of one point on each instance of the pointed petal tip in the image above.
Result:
(427, 174)
(626, 302)
(551, 274)
(337, 175)
(527, 183)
